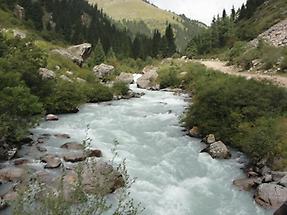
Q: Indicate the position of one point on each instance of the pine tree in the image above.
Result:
(156, 43)
(170, 39)
(224, 14)
(99, 54)
(233, 14)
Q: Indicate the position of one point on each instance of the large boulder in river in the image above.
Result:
(148, 79)
(103, 70)
(218, 150)
(127, 78)
(78, 53)
(270, 195)
(97, 178)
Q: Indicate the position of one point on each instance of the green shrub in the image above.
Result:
(168, 77)
(120, 89)
(99, 93)
(66, 97)
(18, 112)
(236, 110)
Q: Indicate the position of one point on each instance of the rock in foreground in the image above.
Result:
(270, 195)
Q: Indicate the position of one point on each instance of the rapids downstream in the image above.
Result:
(173, 178)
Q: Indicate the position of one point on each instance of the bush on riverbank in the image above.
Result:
(246, 114)
(243, 113)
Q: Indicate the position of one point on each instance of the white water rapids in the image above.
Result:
(173, 178)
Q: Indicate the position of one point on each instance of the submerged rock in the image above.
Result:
(63, 136)
(94, 153)
(270, 195)
(218, 150)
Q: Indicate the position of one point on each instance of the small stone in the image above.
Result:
(52, 117)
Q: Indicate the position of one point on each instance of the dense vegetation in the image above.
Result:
(246, 114)
(243, 24)
(76, 22)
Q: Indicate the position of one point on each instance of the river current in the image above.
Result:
(173, 178)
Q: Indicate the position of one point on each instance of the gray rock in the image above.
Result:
(73, 146)
(270, 195)
(47, 74)
(209, 139)
(51, 161)
(103, 70)
(267, 178)
(247, 183)
(65, 78)
(127, 78)
(19, 12)
(218, 150)
(94, 153)
(52, 117)
(62, 136)
(283, 181)
(148, 79)
(80, 80)
(75, 157)
(19, 34)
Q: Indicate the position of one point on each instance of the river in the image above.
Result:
(173, 178)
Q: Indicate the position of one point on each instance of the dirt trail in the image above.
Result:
(232, 70)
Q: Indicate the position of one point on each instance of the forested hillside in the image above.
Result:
(228, 36)
(142, 17)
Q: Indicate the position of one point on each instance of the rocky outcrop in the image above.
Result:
(46, 74)
(276, 35)
(19, 12)
(78, 53)
(127, 78)
(51, 117)
(148, 79)
(103, 70)
(218, 150)
(270, 195)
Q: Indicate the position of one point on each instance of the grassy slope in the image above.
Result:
(138, 10)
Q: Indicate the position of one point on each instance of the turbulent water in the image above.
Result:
(173, 178)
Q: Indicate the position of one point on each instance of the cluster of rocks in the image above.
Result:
(148, 79)
(270, 186)
(276, 35)
(216, 149)
(97, 176)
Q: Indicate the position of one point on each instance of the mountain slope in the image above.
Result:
(139, 11)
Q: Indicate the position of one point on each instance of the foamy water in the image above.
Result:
(173, 178)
